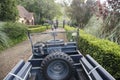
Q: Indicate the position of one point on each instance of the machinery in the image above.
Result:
(57, 59)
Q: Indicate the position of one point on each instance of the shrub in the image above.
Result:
(105, 52)
(38, 29)
(15, 31)
(34, 26)
(3, 40)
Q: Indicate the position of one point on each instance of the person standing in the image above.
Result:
(63, 23)
(56, 24)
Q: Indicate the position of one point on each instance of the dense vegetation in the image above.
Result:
(111, 20)
(11, 34)
(105, 52)
(81, 13)
(43, 9)
(8, 10)
(15, 31)
(3, 38)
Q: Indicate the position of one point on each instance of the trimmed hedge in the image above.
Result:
(39, 29)
(34, 26)
(105, 52)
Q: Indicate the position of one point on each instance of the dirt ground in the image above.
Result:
(10, 57)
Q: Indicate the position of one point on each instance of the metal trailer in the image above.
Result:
(58, 60)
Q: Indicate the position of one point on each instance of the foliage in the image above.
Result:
(43, 9)
(111, 29)
(80, 12)
(109, 11)
(3, 38)
(38, 29)
(15, 31)
(94, 26)
(105, 52)
(8, 10)
(34, 26)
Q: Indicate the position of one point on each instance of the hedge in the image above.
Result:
(39, 29)
(103, 51)
(34, 26)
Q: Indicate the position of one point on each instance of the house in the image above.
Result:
(25, 16)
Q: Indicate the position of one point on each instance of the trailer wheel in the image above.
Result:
(57, 66)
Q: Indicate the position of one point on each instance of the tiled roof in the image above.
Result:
(24, 13)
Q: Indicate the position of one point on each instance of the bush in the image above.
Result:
(105, 52)
(38, 29)
(15, 31)
(3, 38)
(34, 26)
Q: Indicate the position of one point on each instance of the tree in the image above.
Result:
(112, 25)
(109, 11)
(43, 9)
(79, 12)
(8, 11)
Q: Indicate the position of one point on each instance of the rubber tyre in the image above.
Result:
(57, 66)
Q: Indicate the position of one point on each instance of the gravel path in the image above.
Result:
(11, 56)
